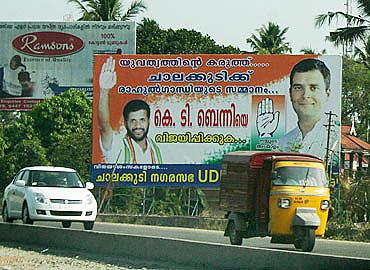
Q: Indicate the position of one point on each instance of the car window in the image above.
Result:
(25, 177)
(55, 179)
(18, 176)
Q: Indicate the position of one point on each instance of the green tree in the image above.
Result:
(57, 131)
(270, 39)
(60, 116)
(364, 55)
(151, 39)
(20, 146)
(74, 151)
(356, 95)
(356, 31)
(107, 10)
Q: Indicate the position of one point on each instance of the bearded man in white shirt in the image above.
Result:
(132, 146)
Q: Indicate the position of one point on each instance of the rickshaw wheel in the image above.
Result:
(308, 241)
(297, 244)
(235, 236)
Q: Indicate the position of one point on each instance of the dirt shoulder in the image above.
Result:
(24, 257)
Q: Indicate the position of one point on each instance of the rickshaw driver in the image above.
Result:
(284, 177)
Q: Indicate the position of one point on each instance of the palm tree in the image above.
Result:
(107, 10)
(357, 29)
(271, 40)
(312, 51)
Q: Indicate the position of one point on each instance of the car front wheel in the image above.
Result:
(88, 225)
(26, 216)
(5, 214)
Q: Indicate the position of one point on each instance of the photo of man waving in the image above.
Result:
(132, 146)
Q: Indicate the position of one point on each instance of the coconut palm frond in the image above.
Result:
(321, 19)
(135, 8)
(89, 16)
(307, 51)
(116, 10)
(106, 10)
(349, 35)
(78, 4)
(364, 7)
(357, 28)
(95, 7)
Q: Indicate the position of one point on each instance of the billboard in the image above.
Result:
(41, 59)
(167, 120)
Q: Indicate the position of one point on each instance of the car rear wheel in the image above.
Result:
(66, 224)
(5, 214)
(26, 216)
(88, 225)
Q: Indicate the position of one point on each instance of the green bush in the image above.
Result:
(348, 231)
(351, 214)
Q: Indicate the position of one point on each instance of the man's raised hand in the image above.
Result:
(108, 76)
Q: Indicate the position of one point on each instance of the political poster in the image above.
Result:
(41, 59)
(168, 120)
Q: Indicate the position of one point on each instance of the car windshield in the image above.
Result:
(55, 179)
(299, 176)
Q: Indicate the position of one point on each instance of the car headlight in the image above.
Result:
(325, 204)
(284, 203)
(90, 198)
(40, 198)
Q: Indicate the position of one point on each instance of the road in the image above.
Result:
(329, 247)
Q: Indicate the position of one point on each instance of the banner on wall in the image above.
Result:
(41, 59)
(168, 120)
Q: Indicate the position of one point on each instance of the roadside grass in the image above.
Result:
(348, 231)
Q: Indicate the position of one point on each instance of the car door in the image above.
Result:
(20, 192)
(12, 196)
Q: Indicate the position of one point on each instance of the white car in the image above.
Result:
(49, 194)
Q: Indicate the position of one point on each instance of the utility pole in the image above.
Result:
(328, 126)
(348, 47)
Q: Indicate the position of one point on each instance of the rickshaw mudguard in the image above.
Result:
(306, 216)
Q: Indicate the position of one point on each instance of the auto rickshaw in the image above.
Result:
(282, 195)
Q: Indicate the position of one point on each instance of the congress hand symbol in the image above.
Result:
(267, 120)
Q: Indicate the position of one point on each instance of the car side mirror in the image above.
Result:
(89, 185)
(20, 183)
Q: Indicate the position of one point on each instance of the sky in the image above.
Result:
(228, 22)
